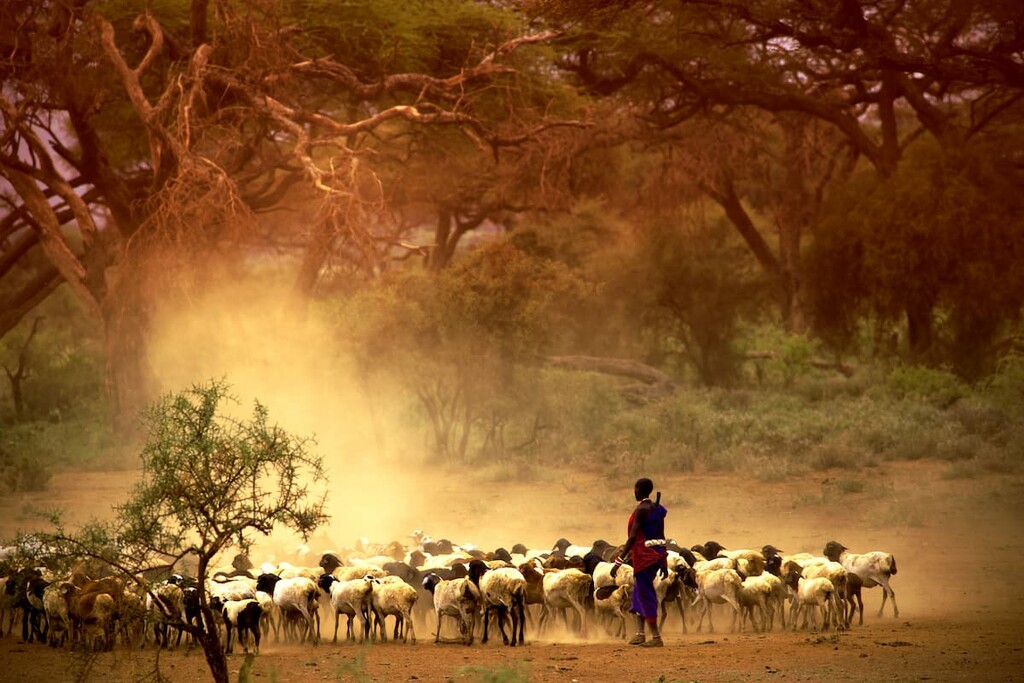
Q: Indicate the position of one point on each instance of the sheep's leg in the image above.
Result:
(410, 630)
(487, 621)
(582, 612)
(437, 635)
(704, 611)
(888, 592)
(521, 608)
(502, 616)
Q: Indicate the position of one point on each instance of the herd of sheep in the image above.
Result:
(456, 592)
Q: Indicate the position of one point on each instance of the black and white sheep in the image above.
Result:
(874, 569)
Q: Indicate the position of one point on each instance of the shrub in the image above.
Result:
(939, 387)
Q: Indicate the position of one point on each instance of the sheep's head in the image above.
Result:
(477, 568)
(833, 549)
(713, 549)
(329, 562)
(325, 582)
(430, 582)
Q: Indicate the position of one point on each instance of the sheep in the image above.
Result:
(812, 595)
(459, 598)
(351, 598)
(534, 576)
(243, 615)
(568, 589)
(295, 598)
(358, 572)
(289, 571)
(613, 602)
(238, 588)
(132, 617)
(717, 586)
(754, 593)
(17, 589)
(853, 590)
(874, 569)
(89, 613)
(31, 602)
(98, 623)
(56, 615)
(268, 620)
(747, 562)
(393, 598)
(6, 606)
(671, 589)
(165, 605)
(715, 564)
(502, 589)
(776, 602)
(834, 572)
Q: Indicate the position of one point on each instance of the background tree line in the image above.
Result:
(714, 189)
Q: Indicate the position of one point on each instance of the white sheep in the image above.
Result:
(459, 598)
(567, 589)
(238, 588)
(776, 603)
(56, 608)
(391, 596)
(813, 595)
(290, 571)
(748, 562)
(717, 586)
(357, 572)
(296, 598)
(834, 572)
(268, 611)
(351, 598)
(502, 589)
(612, 602)
(754, 594)
(874, 569)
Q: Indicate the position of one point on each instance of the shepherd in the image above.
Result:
(645, 550)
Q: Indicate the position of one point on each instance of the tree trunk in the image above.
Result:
(128, 376)
(209, 636)
(437, 258)
(919, 329)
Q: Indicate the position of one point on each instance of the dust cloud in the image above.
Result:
(268, 347)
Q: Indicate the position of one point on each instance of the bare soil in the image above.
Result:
(958, 544)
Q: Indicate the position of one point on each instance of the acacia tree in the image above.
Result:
(137, 148)
(880, 74)
(210, 481)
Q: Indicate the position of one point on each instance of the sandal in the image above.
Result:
(638, 639)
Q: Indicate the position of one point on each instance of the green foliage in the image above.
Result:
(21, 468)
(211, 479)
(63, 363)
(689, 287)
(785, 358)
(943, 235)
(939, 387)
(1006, 386)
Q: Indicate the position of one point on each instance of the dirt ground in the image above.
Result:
(958, 544)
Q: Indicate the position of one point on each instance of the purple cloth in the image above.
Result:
(645, 600)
